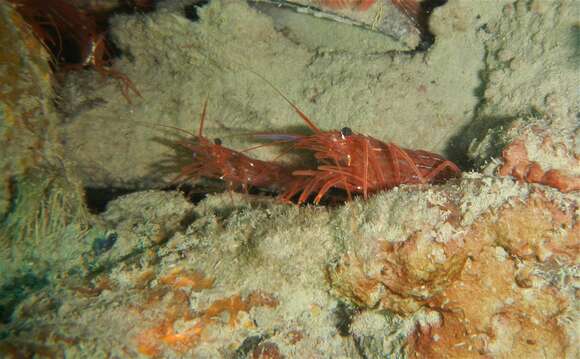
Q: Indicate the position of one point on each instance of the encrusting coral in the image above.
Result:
(153, 341)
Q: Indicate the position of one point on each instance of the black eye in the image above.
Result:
(217, 141)
(346, 131)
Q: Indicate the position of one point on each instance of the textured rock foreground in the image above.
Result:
(482, 266)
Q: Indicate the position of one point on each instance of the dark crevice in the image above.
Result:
(427, 37)
(97, 199)
(191, 10)
(343, 314)
(248, 346)
(15, 291)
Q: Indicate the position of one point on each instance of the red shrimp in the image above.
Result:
(347, 161)
(359, 164)
(212, 160)
(59, 24)
(363, 165)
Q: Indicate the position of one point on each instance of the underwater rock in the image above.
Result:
(41, 201)
(527, 68)
(480, 266)
(383, 334)
(527, 72)
(27, 115)
(476, 266)
(156, 215)
(466, 268)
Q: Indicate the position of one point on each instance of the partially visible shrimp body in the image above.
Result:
(363, 165)
(63, 22)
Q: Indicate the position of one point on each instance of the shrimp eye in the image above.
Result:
(345, 131)
(217, 141)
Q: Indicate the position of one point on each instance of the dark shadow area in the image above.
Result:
(427, 37)
(249, 346)
(458, 147)
(190, 11)
(98, 198)
(15, 291)
(343, 313)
